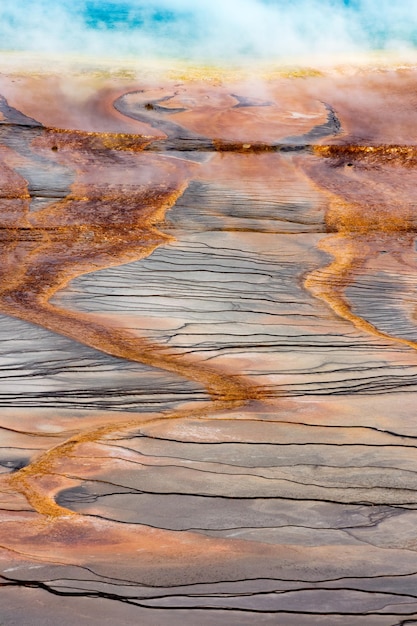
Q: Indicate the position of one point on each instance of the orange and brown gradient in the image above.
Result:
(261, 178)
(95, 225)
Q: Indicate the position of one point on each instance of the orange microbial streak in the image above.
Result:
(369, 211)
(103, 220)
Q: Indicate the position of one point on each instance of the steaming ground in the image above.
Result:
(208, 29)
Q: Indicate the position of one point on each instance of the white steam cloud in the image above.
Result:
(208, 29)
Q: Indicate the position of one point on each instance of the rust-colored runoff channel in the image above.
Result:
(93, 226)
(370, 192)
(97, 225)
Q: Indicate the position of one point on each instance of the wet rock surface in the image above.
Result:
(208, 351)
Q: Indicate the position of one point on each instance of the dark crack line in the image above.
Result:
(232, 581)
(241, 594)
(144, 604)
(249, 475)
(249, 467)
(335, 426)
(266, 443)
(352, 502)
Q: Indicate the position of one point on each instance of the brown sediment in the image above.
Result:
(77, 139)
(227, 392)
(28, 480)
(369, 210)
(246, 148)
(103, 222)
(372, 155)
(329, 283)
(94, 226)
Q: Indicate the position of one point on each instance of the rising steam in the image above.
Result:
(208, 29)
